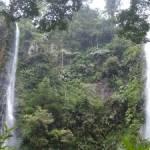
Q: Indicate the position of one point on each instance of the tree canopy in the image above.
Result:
(133, 22)
(46, 15)
(55, 14)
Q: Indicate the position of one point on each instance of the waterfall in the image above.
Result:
(147, 90)
(10, 118)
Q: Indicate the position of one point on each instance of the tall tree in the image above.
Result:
(133, 22)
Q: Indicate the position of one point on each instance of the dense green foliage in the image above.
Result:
(5, 136)
(134, 22)
(45, 14)
(81, 88)
(48, 15)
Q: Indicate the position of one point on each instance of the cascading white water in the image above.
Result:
(10, 118)
(147, 89)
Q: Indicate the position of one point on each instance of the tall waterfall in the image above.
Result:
(10, 118)
(147, 90)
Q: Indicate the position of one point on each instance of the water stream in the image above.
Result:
(147, 90)
(10, 105)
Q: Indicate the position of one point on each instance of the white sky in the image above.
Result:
(6, 2)
(100, 4)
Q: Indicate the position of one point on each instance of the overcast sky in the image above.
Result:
(100, 4)
(6, 1)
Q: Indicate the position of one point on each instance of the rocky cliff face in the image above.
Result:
(6, 48)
